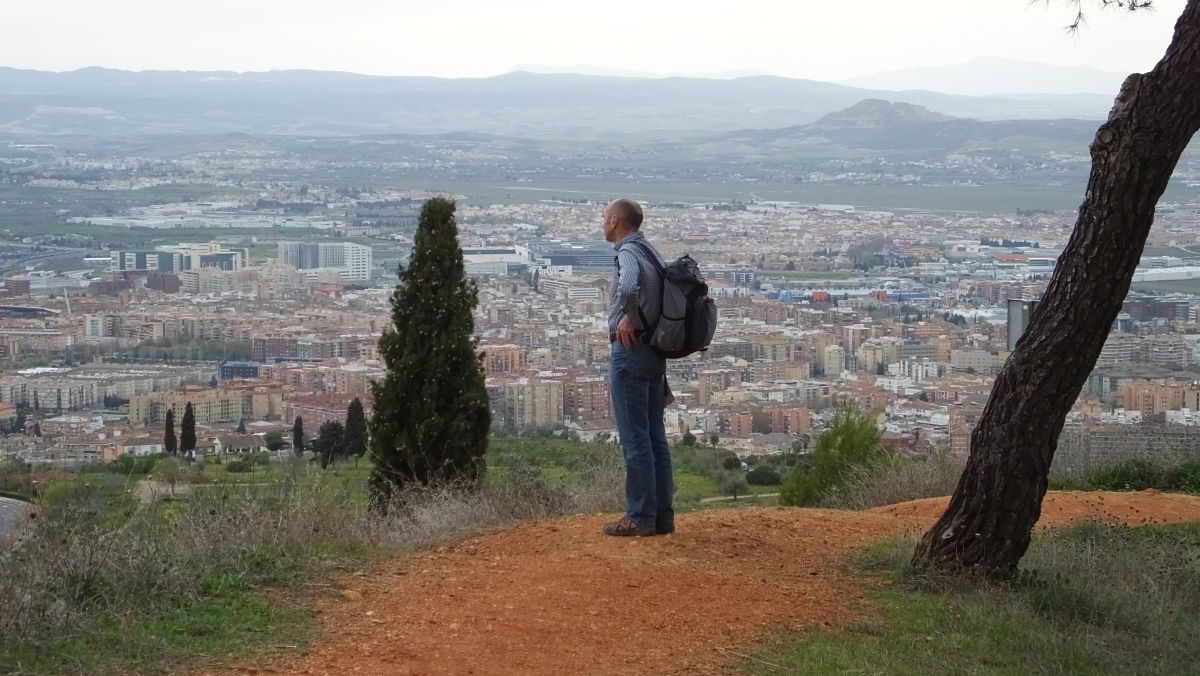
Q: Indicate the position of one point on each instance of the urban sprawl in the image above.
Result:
(276, 310)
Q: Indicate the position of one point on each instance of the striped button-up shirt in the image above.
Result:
(636, 283)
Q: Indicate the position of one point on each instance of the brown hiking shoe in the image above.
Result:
(627, 527)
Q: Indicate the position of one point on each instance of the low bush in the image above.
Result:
(763, 475)
(1184, 477)
(133, 464)
(1132, 475)
(1140, 474)
(852, 441)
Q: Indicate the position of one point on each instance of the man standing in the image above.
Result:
(638, 376)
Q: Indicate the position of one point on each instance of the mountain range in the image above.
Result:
(993, 76)
(104, 102)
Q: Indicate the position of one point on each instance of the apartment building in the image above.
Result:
(531, 404)
(223, 404)
(353, 262)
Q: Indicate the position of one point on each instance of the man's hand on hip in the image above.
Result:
(626, 332)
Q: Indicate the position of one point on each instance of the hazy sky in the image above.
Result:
(805, 38)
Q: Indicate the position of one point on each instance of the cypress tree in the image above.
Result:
(187, 436)
(330, 442)
(355, 440)
(241, 428)
(170, 443)
(298, 436)
(431, 417)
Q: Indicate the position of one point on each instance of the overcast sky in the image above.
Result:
(825, 40)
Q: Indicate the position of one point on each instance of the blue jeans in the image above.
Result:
(637, 381)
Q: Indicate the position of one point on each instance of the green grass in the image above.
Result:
(228, 619)
(1094, 599)
(211, 577)
(688, 483)
(235, 611)
(925, 635)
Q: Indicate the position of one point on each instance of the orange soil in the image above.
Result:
(557, 597)
(1061, 508)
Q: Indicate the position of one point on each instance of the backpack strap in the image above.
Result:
(662, 271)
(647, 326)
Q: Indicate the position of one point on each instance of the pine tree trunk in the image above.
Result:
(986, 529)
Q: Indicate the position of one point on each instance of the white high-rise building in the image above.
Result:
(834, 360)
(352, 261)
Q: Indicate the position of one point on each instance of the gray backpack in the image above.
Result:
(689, 317)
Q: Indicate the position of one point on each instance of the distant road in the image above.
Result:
(11, 512)
(18, 265)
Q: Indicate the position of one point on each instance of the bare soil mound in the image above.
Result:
(559, 597)
(1061, 508)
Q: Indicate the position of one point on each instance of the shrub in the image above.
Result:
(763, 475)
(1132, 475)
(16, 476)
(1184, 477)
(133, 464)
(730, 461)
(734, 483)
(239, 466)
(852, 440)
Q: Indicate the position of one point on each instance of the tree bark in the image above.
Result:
(986, 528)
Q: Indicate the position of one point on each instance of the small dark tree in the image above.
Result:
(274, 440)
(763, 475)
(241, 428)
(170, 443)
(356, 431)
(986, 528)
(187, 435)
(734, 484)
(328, 445)
(431, 417)
(760, 421)
(688, 439)
(298, 436)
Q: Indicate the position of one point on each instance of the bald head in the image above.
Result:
(628, 212)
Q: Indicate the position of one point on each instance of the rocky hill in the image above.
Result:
(876, 114)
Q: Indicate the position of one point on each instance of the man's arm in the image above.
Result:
(628, 285)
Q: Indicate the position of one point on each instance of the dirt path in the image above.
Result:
(557, 597)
